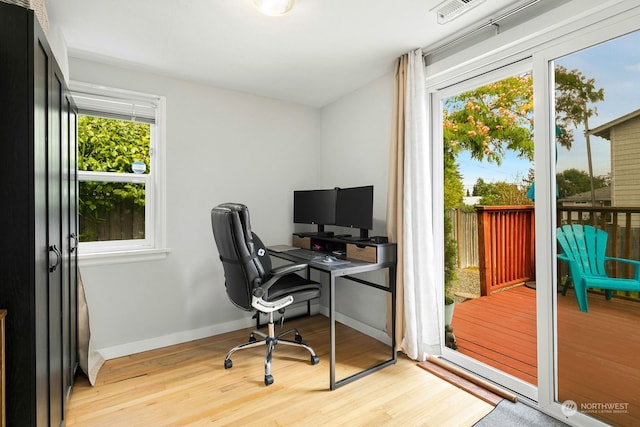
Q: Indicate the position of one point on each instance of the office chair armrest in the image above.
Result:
(257, 300)
(277, 273)
(268, 307)
(289, 268)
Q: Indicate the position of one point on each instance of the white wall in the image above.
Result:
(220, 146)
(356, 132)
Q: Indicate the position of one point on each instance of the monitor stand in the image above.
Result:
(364, 236)
(322, 233)
(319, 233)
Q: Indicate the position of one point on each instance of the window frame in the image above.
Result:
(115, 103)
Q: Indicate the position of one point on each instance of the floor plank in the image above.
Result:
(187, 385)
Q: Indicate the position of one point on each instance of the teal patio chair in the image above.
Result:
(583, 249)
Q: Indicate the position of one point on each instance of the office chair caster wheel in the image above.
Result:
(252, 338)
(298, 338)
(228, 363)
(315, 360)
(268, 380)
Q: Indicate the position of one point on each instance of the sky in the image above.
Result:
(615, 66)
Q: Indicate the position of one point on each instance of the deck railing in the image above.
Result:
(506, 246)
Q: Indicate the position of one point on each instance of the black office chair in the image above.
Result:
(252, 283)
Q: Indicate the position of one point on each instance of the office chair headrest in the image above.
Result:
(242, 213)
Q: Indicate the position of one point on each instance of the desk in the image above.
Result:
(385, 259)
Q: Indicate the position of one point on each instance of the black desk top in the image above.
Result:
(317, 260)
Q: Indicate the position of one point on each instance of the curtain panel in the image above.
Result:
(409, 215)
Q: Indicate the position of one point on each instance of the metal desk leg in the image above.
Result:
(332, 351)
(332, 333)
(392, 286)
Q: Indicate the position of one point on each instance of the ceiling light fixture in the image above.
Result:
(274, 7)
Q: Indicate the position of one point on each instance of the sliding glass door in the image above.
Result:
(597, 127)
(506, 191)
(489, 270)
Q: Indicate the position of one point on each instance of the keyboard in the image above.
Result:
(317, 257)
(306, 254)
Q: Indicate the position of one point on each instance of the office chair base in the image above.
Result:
(271, 341)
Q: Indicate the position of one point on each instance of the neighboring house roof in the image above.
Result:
(604, 131)
(602, 195)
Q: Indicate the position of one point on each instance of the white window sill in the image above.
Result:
(122, 257)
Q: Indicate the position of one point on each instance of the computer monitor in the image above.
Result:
(354, 208)
(315, 207)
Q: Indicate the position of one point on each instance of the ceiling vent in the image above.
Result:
(448, 10)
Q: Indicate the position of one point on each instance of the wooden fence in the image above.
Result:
(124, 222)
(465, 233)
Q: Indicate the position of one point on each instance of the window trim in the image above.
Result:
(153, 247)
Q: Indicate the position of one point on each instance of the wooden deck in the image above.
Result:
(597, 351)
(500, 330)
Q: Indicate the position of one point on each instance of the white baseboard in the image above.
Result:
(359, 326)
(172, 339)
(194, 334)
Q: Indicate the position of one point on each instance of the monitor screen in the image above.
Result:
(314, 207)
(355, 207)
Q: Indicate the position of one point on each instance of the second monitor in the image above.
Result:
(354, 208)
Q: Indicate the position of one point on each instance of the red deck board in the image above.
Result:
(597, 351)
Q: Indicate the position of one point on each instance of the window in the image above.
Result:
(121, 207)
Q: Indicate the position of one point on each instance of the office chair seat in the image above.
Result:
(292, 285)
(252, 284)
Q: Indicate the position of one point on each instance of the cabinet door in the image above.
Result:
(56, 294)
(69, 242)
(74, 240)
(41, 301)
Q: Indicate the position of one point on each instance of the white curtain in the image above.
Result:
(89, 359)
(423, 298)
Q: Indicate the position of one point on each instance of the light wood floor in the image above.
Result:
(188, 385)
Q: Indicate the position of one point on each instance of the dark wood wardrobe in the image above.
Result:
(38, 217)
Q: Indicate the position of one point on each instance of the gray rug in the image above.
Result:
(508, 414)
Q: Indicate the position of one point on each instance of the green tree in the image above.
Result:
(490, 120)
(574, 181)
(453, 194)
(574, 94)
(453, 186)
(500, 193)
(107, 145)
